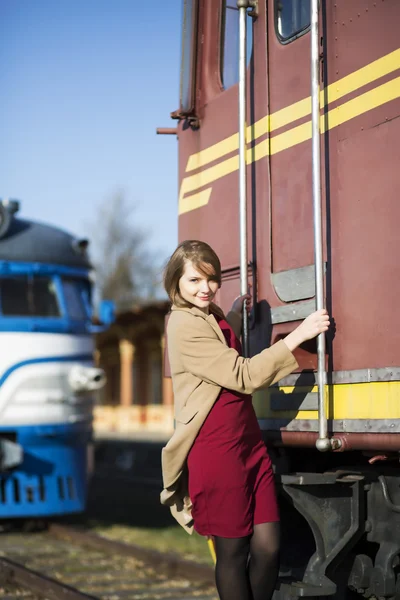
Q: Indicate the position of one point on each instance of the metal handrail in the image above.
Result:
(323, 443)
(243, 5)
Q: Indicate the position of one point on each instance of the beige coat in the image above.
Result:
(201, 364)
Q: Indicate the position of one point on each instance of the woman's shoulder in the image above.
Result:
(183, 321)
(185, 316)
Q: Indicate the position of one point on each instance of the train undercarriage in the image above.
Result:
(340, 526)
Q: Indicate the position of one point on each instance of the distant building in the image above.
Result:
(137, 396)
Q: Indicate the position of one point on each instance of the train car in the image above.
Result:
(47, 377)
(288, 131)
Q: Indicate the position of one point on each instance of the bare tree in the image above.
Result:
(126, 271)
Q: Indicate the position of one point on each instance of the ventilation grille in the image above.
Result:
(16, 491)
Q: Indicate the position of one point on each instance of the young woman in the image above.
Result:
(216, 469)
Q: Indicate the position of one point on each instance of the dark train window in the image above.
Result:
(28, 296)
(230, 43)
(292, 18)
(188, 58)
(73, 294)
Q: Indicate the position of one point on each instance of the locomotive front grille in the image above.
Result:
(66, 488)
(21, 490)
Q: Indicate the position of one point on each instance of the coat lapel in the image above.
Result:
(213, 322)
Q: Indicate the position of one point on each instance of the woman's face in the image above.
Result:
(197, 288)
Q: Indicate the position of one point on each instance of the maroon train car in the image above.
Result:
(341, 507)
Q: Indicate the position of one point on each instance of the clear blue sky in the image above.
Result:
(84, 85)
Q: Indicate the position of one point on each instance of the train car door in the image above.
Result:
(289, 107)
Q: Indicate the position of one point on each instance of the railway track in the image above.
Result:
(69, 564)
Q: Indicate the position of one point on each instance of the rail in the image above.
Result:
(73, 564)
(12, 572)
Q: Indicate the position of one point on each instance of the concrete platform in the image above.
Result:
(134, 436)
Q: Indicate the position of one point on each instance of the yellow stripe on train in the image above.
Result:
(192, 196)
(371, 72)
(374, 400)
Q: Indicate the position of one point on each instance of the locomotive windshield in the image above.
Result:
(76, 295)
(45, 297)
(29, 296)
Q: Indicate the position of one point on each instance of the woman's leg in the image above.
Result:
(264, 560)
(231, 574)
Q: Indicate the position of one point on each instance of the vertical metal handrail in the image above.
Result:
(323, 443)
(243, 6)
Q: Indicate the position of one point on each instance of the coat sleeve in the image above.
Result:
(205, 356)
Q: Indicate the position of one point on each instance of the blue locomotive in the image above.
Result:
(47, 378)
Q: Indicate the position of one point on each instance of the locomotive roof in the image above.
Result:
(29, 241)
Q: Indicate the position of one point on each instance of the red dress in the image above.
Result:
(231, 483)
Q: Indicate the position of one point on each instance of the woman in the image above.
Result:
(216, 469)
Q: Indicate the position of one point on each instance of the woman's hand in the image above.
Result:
(313, 325)
(238, 303)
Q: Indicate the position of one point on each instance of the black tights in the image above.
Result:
(247, 567)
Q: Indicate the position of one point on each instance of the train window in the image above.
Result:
(188, 58)
(28, 296)
(292, 19)
(73, 294)
(230, 43)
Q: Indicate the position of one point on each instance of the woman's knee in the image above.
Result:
(266, 554)
(265, 543)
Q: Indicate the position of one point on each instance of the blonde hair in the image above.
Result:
(204, 260)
